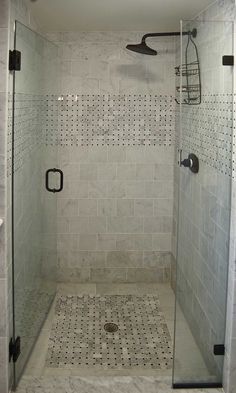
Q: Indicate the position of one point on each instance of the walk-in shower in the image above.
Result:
(121, 204)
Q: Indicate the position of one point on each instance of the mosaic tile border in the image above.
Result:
(118, 120)
(30, 111)
(110, 120)
(207, 130)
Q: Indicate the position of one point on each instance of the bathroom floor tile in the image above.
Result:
(78, 337)
(191, 361)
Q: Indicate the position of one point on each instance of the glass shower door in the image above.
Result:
(33, 207)
(206, 125)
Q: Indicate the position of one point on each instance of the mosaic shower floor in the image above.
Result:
(78, 337)
(144, 314)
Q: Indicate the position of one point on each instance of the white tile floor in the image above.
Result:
(191, 361)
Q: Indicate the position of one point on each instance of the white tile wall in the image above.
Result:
(115, 137)
(121, 212)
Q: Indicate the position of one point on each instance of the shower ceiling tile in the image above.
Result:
(106, 15)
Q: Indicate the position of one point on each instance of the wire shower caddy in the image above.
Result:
(191, 76)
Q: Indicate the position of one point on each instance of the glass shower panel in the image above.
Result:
(33, 208)
(206, 126)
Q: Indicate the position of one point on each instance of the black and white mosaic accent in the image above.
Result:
(29, 117)
(115, 120)
(31, 308)
(78, 338)
(207, 130)
(111, 120)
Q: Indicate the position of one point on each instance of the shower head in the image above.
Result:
(146, 50)
(142, 48)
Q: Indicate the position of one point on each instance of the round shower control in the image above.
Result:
(191, 162)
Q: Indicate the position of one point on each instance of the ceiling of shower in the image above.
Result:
(140, 15)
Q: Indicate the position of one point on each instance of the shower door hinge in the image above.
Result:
(219, 349)
(14, 60)
(228, 60)
(14, 349)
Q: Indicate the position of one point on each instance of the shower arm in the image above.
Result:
(171, 34)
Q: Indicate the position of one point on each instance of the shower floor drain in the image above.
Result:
(111, 327)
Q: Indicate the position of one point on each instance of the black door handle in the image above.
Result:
(54, 170)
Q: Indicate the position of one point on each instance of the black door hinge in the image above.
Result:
(14, 60)
(14, 349)
(219, 349)
(228, 60)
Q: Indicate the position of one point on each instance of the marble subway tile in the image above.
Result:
(97, 154)
(136, 155)
(88, 171)
(106, 242)
(107, 171)
(65, 242)
(163, 171)
(143, 207)
(75, 275)
(124, 242)
(126, 259)
(116, 154)
(126, 171)
(156, 259)
(87, 207)
(67, 207)
(87, 242)
(163, 207)
(159, 189)
(143, 242)
(79, 225)
(125, 207)
(2, 119)
(97, 189)
(145, 275)
(135, 189)
(111, 275)
(79, 68)
(161, 242)
(71, 259)
(158, 224)
(4, 12)
(97, 224)
(3, 364)
(107, 207)
(116, 189)
(3, 320)
(144, 172)
(97, 259)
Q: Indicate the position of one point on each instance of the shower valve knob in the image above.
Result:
(187, 163)
(191, 162)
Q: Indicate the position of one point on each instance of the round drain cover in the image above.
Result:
(111, 327)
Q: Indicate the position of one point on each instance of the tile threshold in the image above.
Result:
(100, 385)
